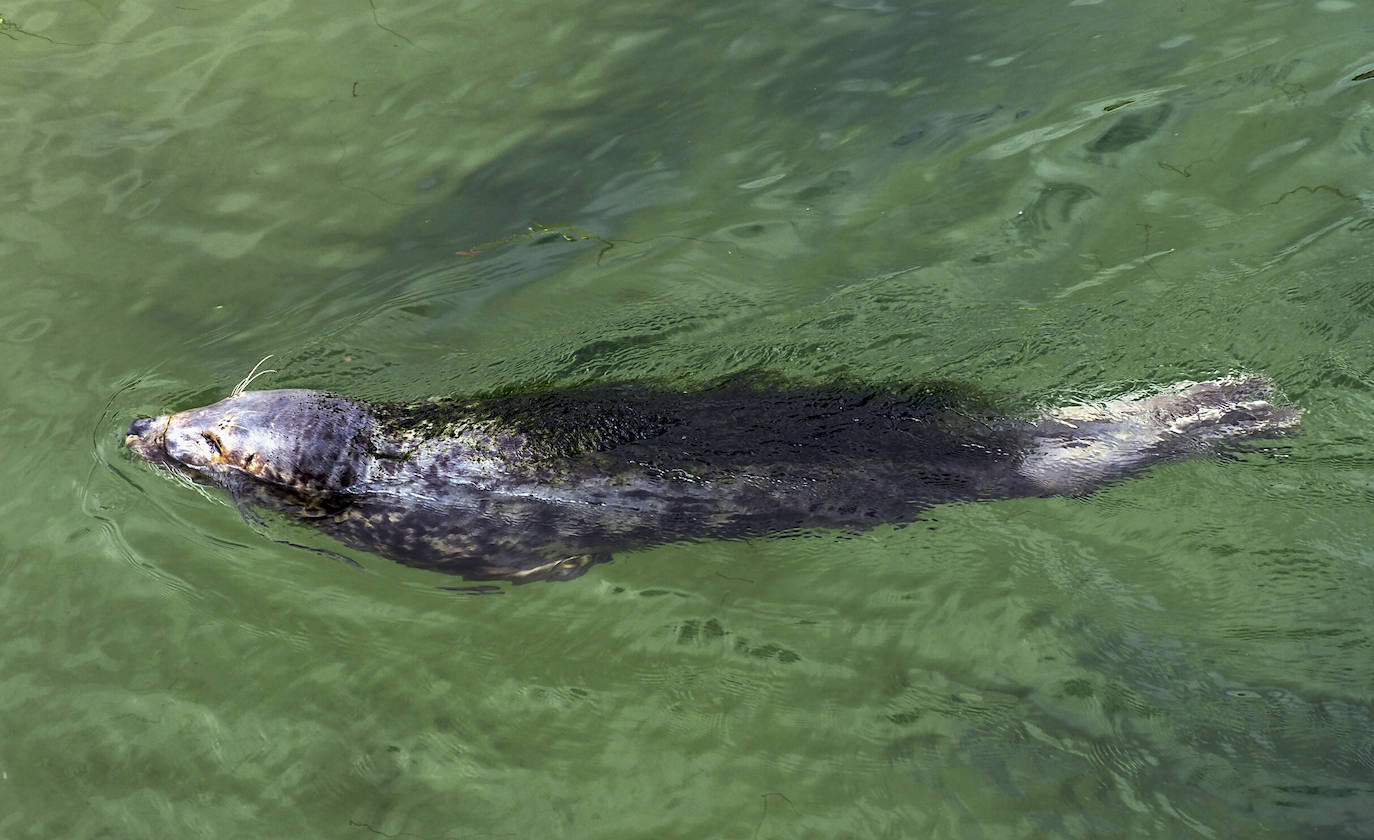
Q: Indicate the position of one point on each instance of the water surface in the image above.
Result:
(1052, 200)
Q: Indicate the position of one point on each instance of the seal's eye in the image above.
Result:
(214, 443)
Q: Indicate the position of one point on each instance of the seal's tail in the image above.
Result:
(1076, 448)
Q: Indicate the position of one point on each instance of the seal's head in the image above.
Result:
(310, 442)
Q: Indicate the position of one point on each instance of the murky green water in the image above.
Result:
(1052, 199)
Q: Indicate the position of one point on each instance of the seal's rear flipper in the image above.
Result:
(1079, 447)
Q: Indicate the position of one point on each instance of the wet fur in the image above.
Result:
(543, 484)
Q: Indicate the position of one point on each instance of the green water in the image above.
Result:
(1054, 200)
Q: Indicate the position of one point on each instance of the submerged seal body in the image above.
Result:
(542, 485)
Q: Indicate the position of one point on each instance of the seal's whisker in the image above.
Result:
(252, 374)
(181, 476)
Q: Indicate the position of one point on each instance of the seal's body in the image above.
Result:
(542, 485)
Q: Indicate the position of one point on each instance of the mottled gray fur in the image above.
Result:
(542, 485)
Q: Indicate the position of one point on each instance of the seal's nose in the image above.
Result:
(140, 427)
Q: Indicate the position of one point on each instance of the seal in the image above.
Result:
(542, 485)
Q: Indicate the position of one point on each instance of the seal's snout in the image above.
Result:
(145, 436)
(140, 427)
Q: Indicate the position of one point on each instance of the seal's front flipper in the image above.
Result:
(563, 568)
(326, 552)
(245, 507)
(522, 568)
(250, 516)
